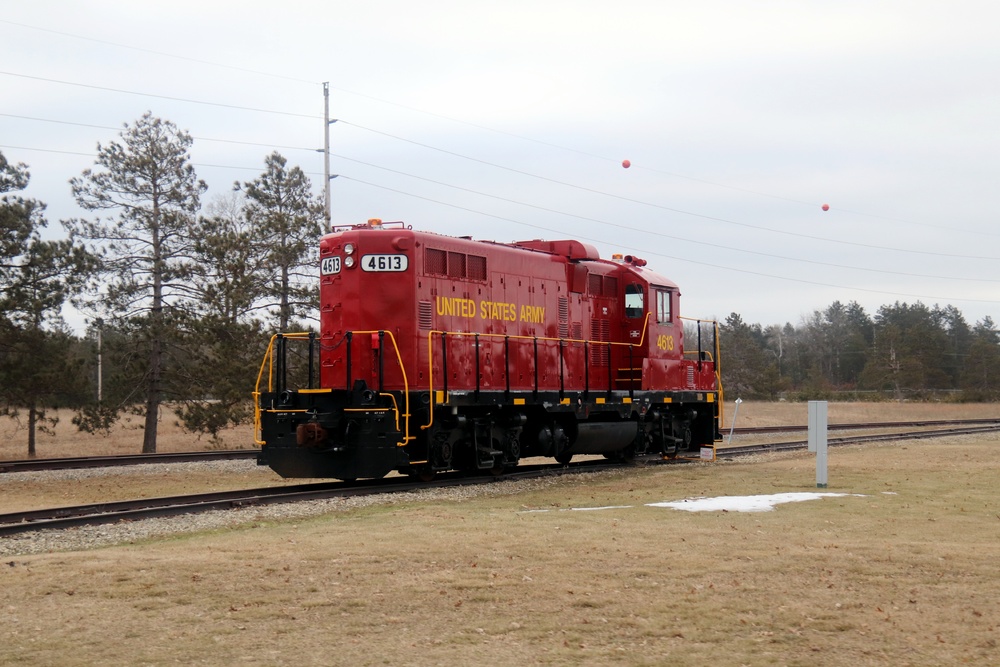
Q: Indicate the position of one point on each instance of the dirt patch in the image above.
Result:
(904, 575)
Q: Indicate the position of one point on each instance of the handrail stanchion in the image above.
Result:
(536, 368)
(609, 371)
(701, 354)
(631, 373)
(444, 363)
(279, 371)
(506, 364)
(477, 369)
(350, 380)
(562, 381)
(381, 361)
(312, 353)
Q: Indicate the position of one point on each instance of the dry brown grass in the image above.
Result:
(125, 438)
(905, 575)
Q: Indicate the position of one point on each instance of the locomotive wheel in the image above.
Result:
(564, 458)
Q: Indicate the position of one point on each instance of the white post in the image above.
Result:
(817, 439)
(732, 426)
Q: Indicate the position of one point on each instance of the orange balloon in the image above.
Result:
(626, 164)
(826, 207)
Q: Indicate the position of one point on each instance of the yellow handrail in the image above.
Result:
(430, 352)
(269, 363)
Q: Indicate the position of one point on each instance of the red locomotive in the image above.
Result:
(439, 353)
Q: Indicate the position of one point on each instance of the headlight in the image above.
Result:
(349, 249)
(348, 261)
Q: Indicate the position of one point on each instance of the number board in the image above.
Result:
(384, 262)
(329, 266)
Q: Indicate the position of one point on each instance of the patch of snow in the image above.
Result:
(744, 503)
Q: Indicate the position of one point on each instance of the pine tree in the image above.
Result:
(286, 219)
(36, 278)
(147, 180)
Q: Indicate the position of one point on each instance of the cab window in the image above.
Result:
(663, 313)
(633, 300)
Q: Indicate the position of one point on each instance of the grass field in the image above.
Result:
(902, 574)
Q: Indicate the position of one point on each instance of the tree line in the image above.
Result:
(903, 351)
(181, 299)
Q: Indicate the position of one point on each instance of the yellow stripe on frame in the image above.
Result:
(518, 401)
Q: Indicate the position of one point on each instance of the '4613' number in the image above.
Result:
(384, 262)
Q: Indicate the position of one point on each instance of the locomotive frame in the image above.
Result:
(457, 367)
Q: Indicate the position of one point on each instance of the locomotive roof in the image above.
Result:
(571, 250)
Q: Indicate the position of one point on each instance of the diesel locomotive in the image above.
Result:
(438, 353)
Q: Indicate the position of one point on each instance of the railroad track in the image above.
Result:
(145, 508)
(131, 510)
(988, 426)
(866, 426)
(26, 465)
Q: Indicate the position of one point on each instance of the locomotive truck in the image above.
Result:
(438, 353)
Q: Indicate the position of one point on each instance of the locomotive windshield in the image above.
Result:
(633, 300)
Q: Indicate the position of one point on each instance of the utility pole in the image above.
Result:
(100, 362)
(326, 154)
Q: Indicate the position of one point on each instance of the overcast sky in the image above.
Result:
(510, 120)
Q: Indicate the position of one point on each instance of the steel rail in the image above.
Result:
(865, 425)
(70, 463)
(145, 508)
(747, 450)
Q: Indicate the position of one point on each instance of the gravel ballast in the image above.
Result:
(128, 532)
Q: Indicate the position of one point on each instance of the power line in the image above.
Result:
(529, 174)
(652, 232)
(647, 251)
(585, 238)
(158, 53)
(162, 97)
(949, 228)
(660, 206)
(537, 207)
(118, 129)
(538, 176)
